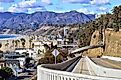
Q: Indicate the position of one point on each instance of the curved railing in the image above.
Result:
(103, 71)
(87, 47)
(49, 74)
(58, 72)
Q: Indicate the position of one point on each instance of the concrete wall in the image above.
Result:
(103, 71)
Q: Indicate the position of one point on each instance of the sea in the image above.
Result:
(7, 36)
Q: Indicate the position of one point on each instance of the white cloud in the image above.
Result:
(46, 1)
(93, 2)
(99, 2)
(26, 6)
(25, 10)
(14, 8)
(1, 9)
(103, 9)
(85, 11)
(29, 4)
(31, 10)
(7, 1)
(17, 10)
(60, 11)
(76, 1)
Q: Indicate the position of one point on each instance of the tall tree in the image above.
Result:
(17, 43)
(116, 13)
(23, 42)
(0, 45)
(6, 73)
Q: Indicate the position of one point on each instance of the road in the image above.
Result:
(25, 76)
(107, 63)
(83, 68)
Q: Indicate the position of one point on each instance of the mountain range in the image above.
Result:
(23, 21)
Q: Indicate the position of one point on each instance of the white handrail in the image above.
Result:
(48, 74)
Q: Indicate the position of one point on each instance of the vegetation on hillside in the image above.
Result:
(108, 20)
(83, 32)
(50, 59)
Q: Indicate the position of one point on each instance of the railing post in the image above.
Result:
(49, 76)
(71, 78)
(61, 77)
(54, 76)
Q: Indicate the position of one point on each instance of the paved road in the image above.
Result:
(83, 68)
(25, 76)
(107, 63)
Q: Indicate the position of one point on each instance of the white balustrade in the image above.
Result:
(103, 71)
(49, 74)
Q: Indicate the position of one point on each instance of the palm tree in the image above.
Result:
(30, 42)
(23, 42)
(13, 43)
(0, 45)
(17, 43)
(7, 44)
(32, 45)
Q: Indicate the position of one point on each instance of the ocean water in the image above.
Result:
(7, 36)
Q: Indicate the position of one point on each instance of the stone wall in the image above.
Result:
(113, 43)
(95, 40)
(112, 47)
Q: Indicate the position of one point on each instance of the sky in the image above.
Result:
(59, 6)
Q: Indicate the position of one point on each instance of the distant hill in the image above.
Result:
(23, 21)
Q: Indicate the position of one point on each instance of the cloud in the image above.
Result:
(26, 6)
(17, 10)
(77, 1)
(100, 2)
(31, 10)
(60, 11)
(6, 1)
(25, 10)
(102, 9)
(29, 4)
(91, 2)
(48, 2)
(1, 9)
(59, 8)
(85, 11)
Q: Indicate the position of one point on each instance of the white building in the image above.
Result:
(39, 46)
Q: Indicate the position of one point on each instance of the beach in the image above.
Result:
(8, 42)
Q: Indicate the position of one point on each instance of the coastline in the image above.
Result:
(16, 36)
(9, 41)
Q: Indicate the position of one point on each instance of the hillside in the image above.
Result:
(112, 24)
(19, 22)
